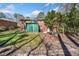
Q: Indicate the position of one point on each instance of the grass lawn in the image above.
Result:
(18, 38)
(31, 43)
(23, 41)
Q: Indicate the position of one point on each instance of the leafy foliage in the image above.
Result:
(68, 22)
(17, 16)
(41, 15)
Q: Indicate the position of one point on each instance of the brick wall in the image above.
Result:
(22, 24)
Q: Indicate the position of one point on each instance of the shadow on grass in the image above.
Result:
(20, 46)
(74, 35)
(47, 45)
(20, 37)
(7, 34)
(2, 36)
(77, 34)
(65, 50)
(4, 50)
(4, 42)
(2, 30)
(47, 49)
(71, 39)
(34, 48)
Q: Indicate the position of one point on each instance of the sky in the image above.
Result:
(28, 9)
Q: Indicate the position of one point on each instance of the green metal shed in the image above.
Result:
(32, 27)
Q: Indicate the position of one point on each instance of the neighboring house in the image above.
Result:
(6, 22)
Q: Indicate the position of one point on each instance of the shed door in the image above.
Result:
(32, 27)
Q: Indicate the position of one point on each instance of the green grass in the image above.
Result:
(26, 40)
(20, 39)
(16, 38)
(4, 38)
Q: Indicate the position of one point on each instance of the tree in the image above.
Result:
(48, 19)
(52, 19)
(73, 19)
(68, 22)
(16, 15)
(41, 15)
(70, 18)
(2, 15)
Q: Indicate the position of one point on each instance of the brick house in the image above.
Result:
(6, 24)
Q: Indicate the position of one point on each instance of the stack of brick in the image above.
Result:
(21, 25)
(43, 27)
